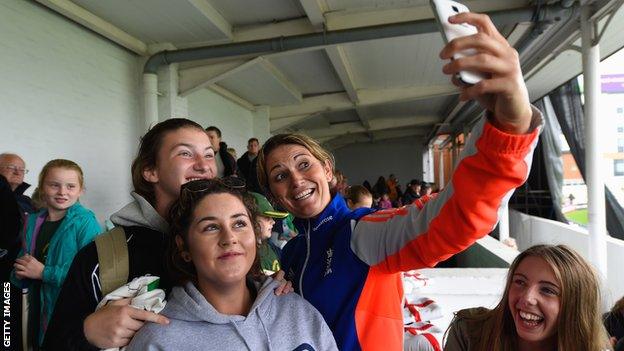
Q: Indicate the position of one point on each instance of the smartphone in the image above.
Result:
(442, 10)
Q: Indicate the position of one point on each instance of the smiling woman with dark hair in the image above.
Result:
(222, 301)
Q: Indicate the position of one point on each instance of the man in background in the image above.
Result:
(247, 165)
(13, 168)
(226, 164)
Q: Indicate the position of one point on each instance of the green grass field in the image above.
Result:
(578, 216)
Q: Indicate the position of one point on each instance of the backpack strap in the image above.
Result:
(112, 250)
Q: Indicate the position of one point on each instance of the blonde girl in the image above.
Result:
(52, 237)
(551, 302)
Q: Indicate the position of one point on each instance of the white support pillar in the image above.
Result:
(441, 169)
(261, 124)
(454, 153)
(593, 151)
(503, 223)
(150, 100)
(428, 168)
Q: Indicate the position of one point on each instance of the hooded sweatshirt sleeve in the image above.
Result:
(491, 166)
(148, 339)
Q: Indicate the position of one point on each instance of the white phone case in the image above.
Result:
(442, 10)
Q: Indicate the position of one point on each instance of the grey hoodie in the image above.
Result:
(140, 213)
(273, 323)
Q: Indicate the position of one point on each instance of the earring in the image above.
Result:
(186, 256)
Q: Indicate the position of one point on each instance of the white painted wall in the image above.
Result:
(368, 161)
(68, 93)
(235, 122)
(530, 230)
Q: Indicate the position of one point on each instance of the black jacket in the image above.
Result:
(409, 196)
(81, 293)
(25, 203)
(614, 323)
(229, 163)
(10, 224)
(248, 170)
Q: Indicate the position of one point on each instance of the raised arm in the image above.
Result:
(496, 160)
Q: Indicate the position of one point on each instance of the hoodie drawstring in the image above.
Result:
(241, 334)
(266, 331)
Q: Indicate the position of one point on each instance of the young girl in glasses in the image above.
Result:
(53, 236)
(222, 300)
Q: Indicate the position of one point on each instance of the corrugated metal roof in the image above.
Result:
(359, 88)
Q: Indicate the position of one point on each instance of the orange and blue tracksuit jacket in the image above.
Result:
(348, 263)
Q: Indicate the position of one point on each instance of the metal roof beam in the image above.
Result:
(196, 78)
(378, 124)
(281, 124)
(288, 86)
(368, 97)
(340, 62)
(96, 24)
(342, 141)
(208, 11)
(336, 20)
(232, 97)
(315, 10)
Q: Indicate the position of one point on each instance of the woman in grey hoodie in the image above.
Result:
(223, 301)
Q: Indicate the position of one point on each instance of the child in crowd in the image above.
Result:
(53, 236)
(358, 196)
(551, 302)
(425, 189)
(385, 202)
(221, 300)
(268, 252)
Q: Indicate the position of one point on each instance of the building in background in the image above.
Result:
(612, 108)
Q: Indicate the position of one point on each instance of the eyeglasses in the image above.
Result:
(15, 169)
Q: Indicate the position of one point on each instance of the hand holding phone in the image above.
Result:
(501, 88)
(442, 10)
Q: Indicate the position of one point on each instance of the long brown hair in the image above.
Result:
(579, 326)
(180, 218)
(147, 156)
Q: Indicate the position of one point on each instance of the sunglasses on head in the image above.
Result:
(201, 185)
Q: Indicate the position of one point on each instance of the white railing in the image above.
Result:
(530, 230)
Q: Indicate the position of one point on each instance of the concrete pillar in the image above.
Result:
(593, 150)
(441, 169)
(150, 100)
(261, 124)
(170, 105)
(503, 223)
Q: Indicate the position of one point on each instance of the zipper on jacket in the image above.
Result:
(305, 263)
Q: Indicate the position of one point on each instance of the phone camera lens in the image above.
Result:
(455, 9)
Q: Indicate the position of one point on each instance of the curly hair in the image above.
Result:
(180, 218)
